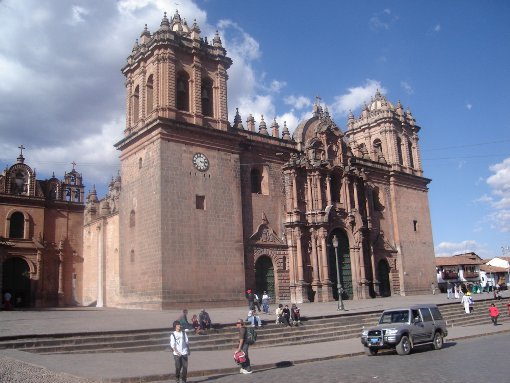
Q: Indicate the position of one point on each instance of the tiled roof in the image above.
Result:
(493, 269)
(458, 260)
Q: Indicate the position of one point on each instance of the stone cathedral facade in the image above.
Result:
(204, 208)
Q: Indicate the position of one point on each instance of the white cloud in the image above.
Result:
(298, 102)
(238, 42)
(446, 249)
(277, 86)
(407, 87)
(437, 28)
(499, 201)
(469, 106)
(77, 14)
(484, 199)
(355, 97)
(382, 20)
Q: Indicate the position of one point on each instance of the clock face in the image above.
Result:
(201, 162)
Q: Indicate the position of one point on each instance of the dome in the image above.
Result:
(379, 102)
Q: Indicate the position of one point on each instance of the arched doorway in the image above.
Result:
(383, 275)
(16, 280)
(344, 264)
(264, 276)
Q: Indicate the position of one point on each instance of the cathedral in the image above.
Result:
(205, 208)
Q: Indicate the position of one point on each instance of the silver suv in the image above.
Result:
(403, 328)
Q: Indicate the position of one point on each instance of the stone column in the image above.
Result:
(100, 249)
(328, 190)
(327, 287)
(319, 191)
(60, 277)
(301, 287)
(292, 263)
(196, 91)
(294, 191)
(309, 206)
(221, 100)
(315, 261)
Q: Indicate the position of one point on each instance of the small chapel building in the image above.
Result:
(41, 227)
(204, 209)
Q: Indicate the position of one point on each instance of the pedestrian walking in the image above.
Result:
(180, 346)
(265, 302)
(250, 297)
(494, 313)
(448, 289)
(467, 301)
(243, 346)
(433, 288)
(456, 289)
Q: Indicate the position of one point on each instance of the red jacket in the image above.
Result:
(494, 312)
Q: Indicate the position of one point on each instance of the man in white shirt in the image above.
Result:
(179, 345)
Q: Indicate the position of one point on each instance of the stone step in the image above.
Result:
(266, 338)
(312, 329)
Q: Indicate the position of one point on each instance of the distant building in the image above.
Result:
(204, 209)
(498, 270)
(41, 225)
(469, 269)
(461, 268)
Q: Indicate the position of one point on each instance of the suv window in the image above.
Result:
(425, 313)
(394, 317)
(436, 314)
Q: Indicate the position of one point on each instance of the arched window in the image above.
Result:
(378, 149)
(410, 149)
(136, 104)
(336, 186)
(207, 98)
(256, 181)
(132, 219)
(399, 151)
(182, 90)
(53, 192)
(19, 183)
(17, 226)
(150, 93)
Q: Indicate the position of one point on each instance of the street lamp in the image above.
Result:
(341, 307)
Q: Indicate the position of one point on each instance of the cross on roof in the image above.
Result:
(21, 147)
(74, 164)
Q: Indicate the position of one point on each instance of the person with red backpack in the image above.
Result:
(243, 347)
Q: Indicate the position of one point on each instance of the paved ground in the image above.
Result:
(132, 367)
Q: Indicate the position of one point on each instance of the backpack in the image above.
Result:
(251, 335)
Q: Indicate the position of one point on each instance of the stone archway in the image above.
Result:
(16, 280)
(383, 275)
(264, 276)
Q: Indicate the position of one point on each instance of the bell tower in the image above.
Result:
(174, 73)
(181, 188)
(386, 133)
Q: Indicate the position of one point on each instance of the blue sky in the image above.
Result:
(63, 95)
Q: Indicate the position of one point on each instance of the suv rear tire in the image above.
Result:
(404, 347)
(438, 341)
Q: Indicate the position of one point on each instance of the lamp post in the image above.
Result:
(334, 240)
